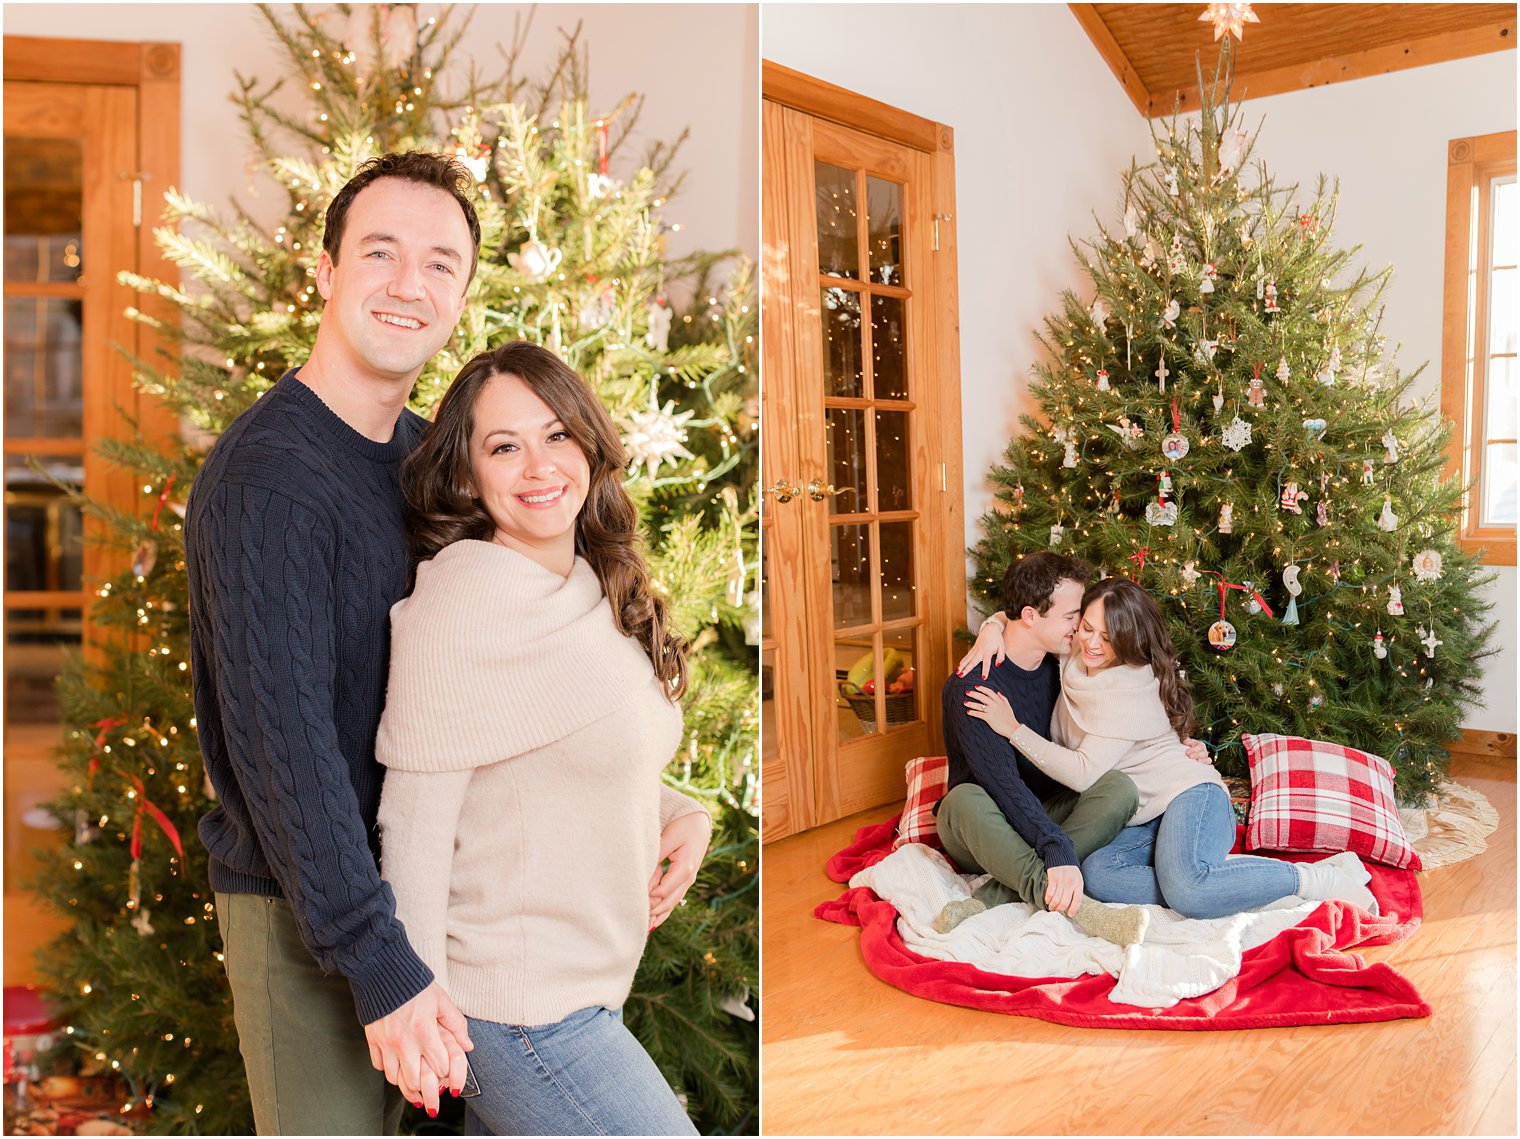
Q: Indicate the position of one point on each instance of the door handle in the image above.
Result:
(784, 491)
(817, 491)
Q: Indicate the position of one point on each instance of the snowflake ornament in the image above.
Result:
(1427, 565)
(657, 436)
(1236, 436)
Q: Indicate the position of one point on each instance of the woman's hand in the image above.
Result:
(683, 845)
(987, 651)
(986, 704)
(1198, 751)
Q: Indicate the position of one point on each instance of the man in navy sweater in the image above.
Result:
(295, 551)
(1002, 815)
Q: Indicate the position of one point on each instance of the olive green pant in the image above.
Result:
(981, 841)
(303, 1046)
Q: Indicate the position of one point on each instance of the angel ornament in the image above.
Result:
(1388, 520)
(1392, 443)
(1129, 432)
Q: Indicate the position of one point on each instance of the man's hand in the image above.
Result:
(683, 844)
(992, 706)
(987, 651)
(427, 1035)
(1198, 750)
(1063, 889)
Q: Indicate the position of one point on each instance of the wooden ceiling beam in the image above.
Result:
(1321, 44)
(1498, 35)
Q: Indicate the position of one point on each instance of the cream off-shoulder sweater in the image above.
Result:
(523, 738)
(1114, 720)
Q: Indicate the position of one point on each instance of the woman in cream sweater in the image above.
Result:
(531, 709)
(1125, 706)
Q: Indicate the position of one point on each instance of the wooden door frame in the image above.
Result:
(943, 529)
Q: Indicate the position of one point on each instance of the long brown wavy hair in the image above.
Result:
(1137, 634)
(441, 510)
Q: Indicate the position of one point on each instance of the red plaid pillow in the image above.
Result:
(1310, 795)
(927, 777)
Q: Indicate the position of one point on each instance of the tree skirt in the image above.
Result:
(1302, 976)
(1455, 826)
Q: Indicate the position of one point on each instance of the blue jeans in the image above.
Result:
(585, 1075)
(1179, 861)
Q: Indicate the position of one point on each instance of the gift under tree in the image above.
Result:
(573, 257)
(1221, 421)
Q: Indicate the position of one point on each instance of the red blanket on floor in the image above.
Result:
(1302, 976)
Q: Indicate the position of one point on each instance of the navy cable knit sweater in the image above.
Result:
(295, 551)
(978, 754)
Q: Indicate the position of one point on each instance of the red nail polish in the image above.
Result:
(432, 1113)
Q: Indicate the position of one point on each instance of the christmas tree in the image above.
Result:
(1221, 421)
(572, 257)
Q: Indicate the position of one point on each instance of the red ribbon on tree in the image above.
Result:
(1256, 371)
(162, 498)
(601, 147)
(1139, 556)
(144, 806)
(100, 738)
(1227, 585)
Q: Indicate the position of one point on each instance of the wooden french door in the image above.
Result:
(69, 227)
(91, 143)
(862, 538)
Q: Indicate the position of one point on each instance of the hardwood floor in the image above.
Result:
(844, 1053)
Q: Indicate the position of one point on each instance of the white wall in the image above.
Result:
(1042, 133)
(696, 65)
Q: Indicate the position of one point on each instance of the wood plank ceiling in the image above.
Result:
(1152, 48)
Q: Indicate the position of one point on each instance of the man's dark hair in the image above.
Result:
(1033, 578)
(420, 166)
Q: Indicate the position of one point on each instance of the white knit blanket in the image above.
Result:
(1180, 957)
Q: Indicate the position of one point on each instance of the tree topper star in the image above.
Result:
(1231, 18)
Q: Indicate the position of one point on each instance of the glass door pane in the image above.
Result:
(44, 418)
(867, 390)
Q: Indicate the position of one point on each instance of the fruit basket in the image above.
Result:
(900, 708)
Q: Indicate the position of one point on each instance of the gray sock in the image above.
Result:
(1350, 866)
(1324, 882)
(1124, 925)
(956, 912)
